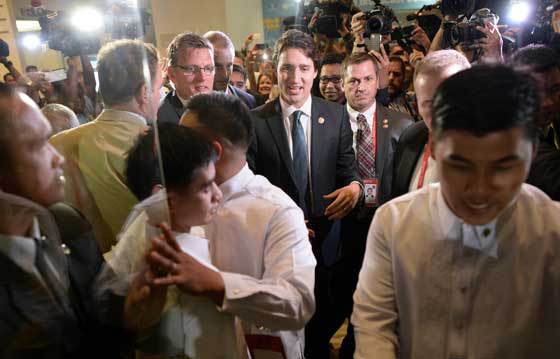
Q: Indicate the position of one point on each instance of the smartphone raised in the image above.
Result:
(373, 42)
(55, 75)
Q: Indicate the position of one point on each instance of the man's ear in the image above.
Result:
(142, 95)
(218, 148)
(432, 146)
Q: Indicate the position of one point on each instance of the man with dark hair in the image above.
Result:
(399, 101)
(544, 63)
(369, 120)
(238, 77)
(413, 167)
(188, 326)
(224, 52)
(258, 237)
(191, 70)
(330, 78)
(310, 157)
(95, 151)
(31, 68)
(439, 260)
(49, 259)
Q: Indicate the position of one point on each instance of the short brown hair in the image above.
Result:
(121, 69)
(295, 39)
(187, 40)
(358, 58)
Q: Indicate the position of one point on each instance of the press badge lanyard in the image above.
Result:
(425, 159)
(370, 184)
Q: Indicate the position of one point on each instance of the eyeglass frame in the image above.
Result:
(196, 69)
(334, 79)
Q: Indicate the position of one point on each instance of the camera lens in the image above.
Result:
(374, 25)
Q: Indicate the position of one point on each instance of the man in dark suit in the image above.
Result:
(303, 145)
(376, 131)
(413, 166)
(191, 69)
(224, 52)
(545, 64)
(49, 258)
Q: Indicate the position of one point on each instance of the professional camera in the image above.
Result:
(466, 32)
(428, 17)
(329, 15)
(57, 30)
(379, 20)
(540, 29)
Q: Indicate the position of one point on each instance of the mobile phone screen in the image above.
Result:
(373, 42)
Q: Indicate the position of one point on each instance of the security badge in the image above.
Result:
(370, 189)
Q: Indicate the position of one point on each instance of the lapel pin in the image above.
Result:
(385, 123)
(321, 120)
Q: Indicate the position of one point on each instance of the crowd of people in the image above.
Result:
(216, 203)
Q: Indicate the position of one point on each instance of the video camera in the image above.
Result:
(466, 32)
(379, 20)
(57, 30)
(329, 15)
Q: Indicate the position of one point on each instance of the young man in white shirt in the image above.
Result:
(468, 267)
(258, 239)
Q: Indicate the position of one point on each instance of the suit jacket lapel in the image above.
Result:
(177, 104)
(382, 136)
(316, 133)
(278, 131)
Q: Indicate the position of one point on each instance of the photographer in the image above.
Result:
(484, 45)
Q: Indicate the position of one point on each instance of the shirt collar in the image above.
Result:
(183, 101)
(236, 183)
(21, 249)
(479, 237)
(287, 110)
(126, 116)
(367, 113)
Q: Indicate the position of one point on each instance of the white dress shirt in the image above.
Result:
(305, 120)
(259, 242)
(433, 287)
(22, 249)
(353, 114)
(189, 325)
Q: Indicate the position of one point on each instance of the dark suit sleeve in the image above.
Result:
(253, 147)
(346, 171)
(545, 170)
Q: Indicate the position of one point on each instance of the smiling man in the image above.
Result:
(303, 144)
(191, 70)
(467, 267)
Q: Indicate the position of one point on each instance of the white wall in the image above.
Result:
(237, 18)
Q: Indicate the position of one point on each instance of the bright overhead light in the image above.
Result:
(87, 20)
(519, 12)
(265, 56)
(31, 41)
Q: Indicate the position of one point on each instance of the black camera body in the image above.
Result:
(329, 15)
(56, 29)
(467, 32)
(379, 20)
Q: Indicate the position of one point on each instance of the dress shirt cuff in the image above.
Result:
(235, 287)
(362, 192)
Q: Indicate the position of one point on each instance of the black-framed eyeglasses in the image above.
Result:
(195, 69)
(334, 79)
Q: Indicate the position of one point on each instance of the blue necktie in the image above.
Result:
(299, 159)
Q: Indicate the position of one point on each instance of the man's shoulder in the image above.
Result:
(325, 105)
(534, 200)
(261, 188)
(414, 133)
(397, 118)
(406, 207)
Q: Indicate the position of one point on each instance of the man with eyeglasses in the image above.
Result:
(330, 78)
(190, 69)
(224, 52)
